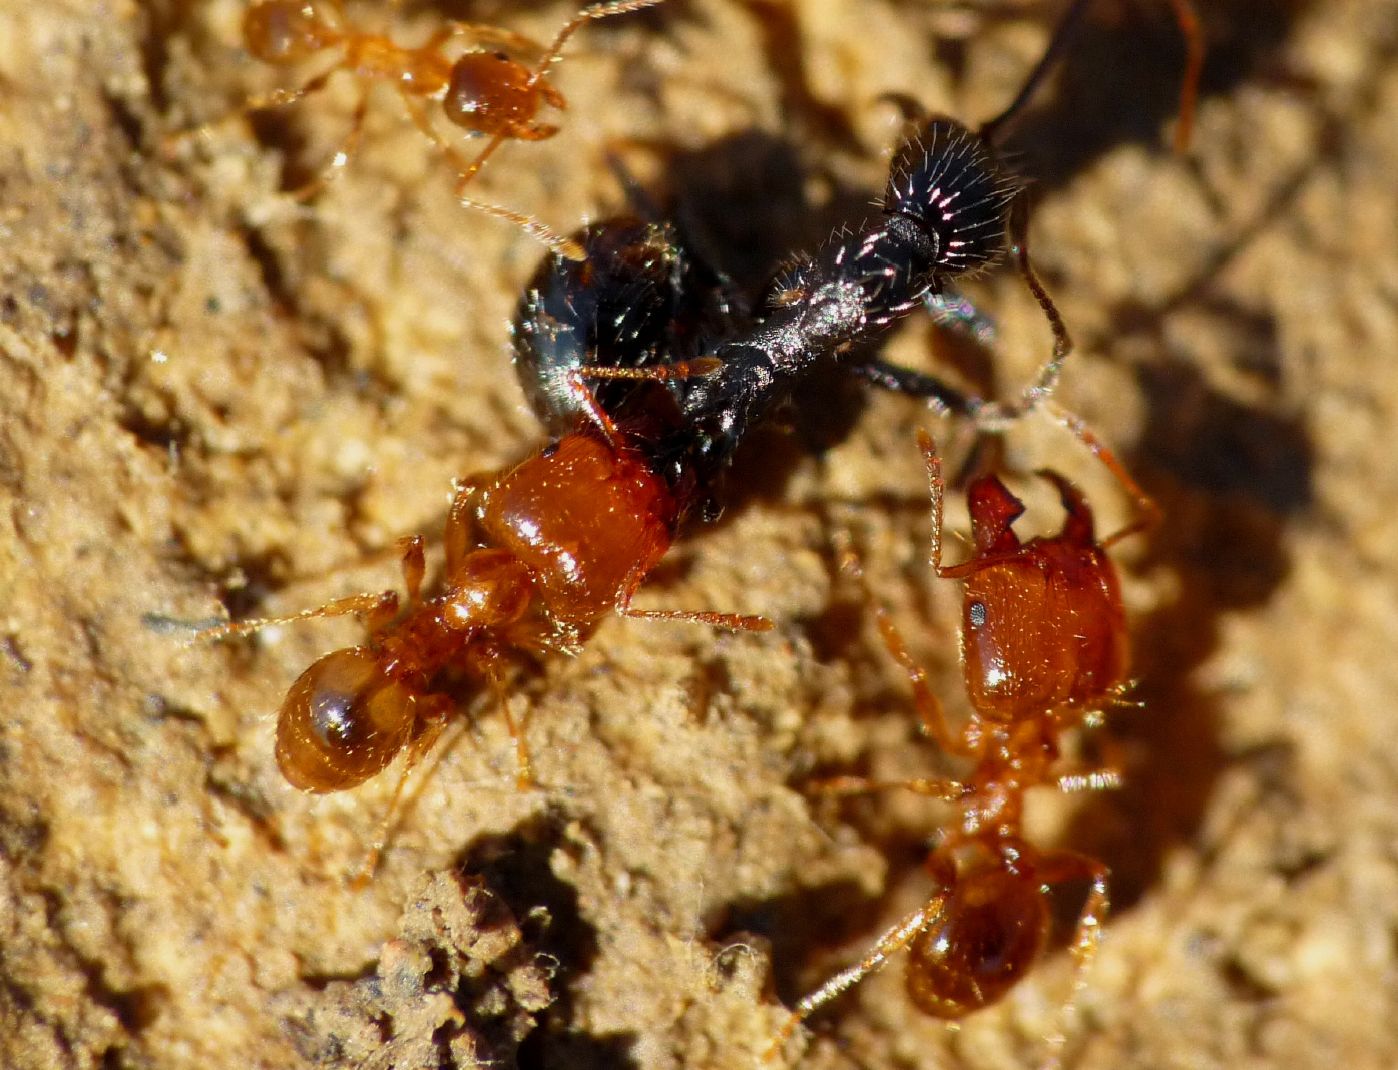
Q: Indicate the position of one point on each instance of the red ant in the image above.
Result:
(1044, 648)
(536, 557)
(484, 92)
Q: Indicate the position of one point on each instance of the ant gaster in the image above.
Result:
(1044, 648)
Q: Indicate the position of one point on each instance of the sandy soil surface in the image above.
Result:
(217, 401)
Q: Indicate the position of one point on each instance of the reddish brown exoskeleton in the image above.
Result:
(1045, 647)
(537, 556)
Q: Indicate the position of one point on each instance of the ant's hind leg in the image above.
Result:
(1061, 867)
(929, 706)
(345, 152)
(378, 610)
(891, 942)
(486, 663)
(432, 714)
(737, 622)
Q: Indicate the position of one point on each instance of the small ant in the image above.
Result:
(484, 92)
(1044, 648)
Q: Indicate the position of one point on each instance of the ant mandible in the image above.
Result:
(1044, 649)
(484, 92)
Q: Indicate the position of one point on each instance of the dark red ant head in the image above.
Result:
(343, 721)
(947, 179)
(993, 512)
(282, 31)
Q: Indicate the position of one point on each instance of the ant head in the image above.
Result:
(993, 512)
(947, 179)
(283, 31)
(491, 93)
(343, 721)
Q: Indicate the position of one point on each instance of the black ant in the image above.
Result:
(946, 212)
(1044, 648)
(484, 92)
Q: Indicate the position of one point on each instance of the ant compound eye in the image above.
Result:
(947, 180)
(976, 614)
(343, 721)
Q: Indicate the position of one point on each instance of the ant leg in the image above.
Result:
(1149, 514)
(1103, 778)
(993, 131)
(342, 155)
(656, 373)
(952, 309)
(894, 940)
(1187, 18)
(896, 379)
(932, 787)
(275, 99)
(414, 564)
(487, 663)
(432, 712)
(535, 228)
(1060, 867)
(459, 537)
(737, 622)
(378, 610)
(929, 706)
(995, 416)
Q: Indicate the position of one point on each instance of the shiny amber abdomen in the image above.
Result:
(985, 937)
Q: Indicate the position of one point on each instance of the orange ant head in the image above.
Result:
(490, 93)
(343, 721)
(282, 31)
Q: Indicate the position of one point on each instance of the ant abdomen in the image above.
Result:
(987, 934)
(343, 721)
(283, 33)
(948, 181)
(630, 303)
